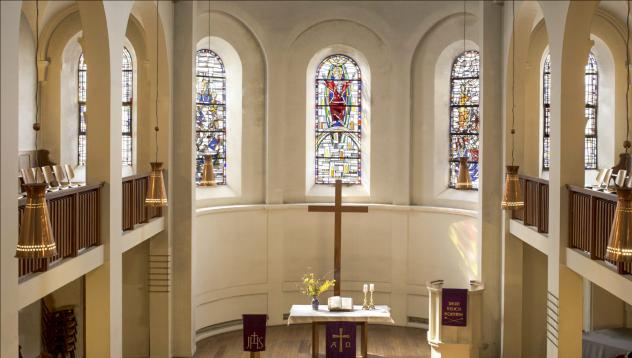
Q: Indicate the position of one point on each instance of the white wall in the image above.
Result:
(250, 259)
(136, 301)
(27, 77)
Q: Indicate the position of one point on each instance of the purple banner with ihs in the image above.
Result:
(341, 340)
(254, 332)
(454, 307)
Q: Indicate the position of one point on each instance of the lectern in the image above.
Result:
(455, 324)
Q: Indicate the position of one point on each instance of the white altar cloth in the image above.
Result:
(305, 314)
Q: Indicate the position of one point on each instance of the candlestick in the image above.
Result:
(372, 287)
(365, 288)
(365, 304)
(371, 305)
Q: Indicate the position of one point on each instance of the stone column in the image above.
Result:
(568, 27)
(490, 190)
(10, 25)
(103, 38)
(182, 199)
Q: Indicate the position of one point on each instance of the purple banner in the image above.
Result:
(454, 307)
(341, 340)
(254, 332)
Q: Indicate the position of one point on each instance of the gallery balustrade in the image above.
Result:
(134, 210)
(536, 203)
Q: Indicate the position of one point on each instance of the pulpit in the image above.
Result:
(455, 320)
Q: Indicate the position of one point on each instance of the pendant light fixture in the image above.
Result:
(156, 193)
(512, 196)
(464, 181)
(36, 234)
(620, 241)
(208, 169)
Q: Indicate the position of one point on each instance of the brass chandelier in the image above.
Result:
(512, 196)
(620, 241)
(156, 193)
(36, 234)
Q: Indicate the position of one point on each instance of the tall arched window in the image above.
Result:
(81, 99)
(591, 86)
(127, 82)
(338, 122)
(464, 115)
(210, 113)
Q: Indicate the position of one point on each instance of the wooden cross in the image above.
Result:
(337, 209)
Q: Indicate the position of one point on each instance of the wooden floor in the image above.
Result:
(296, 341)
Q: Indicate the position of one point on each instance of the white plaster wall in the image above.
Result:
(136, 301)
(250, 259)
(27, 78)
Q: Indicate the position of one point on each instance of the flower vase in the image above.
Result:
(315, 303)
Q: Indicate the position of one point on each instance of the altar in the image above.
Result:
(305, 314)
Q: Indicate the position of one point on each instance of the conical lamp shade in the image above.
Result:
(620, 242)
(464, 181)
(156, 193)
(208, 174)
(36, 234)
(512, 197)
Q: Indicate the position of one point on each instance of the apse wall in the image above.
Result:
(249, 259)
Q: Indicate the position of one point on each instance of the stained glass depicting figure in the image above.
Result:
(591, 100)
(210, 113)
(127, 82)
(464, 115)
(82, 77)
(338, 122)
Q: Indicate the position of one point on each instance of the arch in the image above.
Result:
(245, 67)
(430, 141)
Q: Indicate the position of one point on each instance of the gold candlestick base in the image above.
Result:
(365, 305)
(371, 305)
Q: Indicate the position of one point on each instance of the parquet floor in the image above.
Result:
(295, 341)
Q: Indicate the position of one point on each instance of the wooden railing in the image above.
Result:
(74, 215)
(536, 203)
(134, 209)
(591, 213)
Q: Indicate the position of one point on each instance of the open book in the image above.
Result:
(337, 303)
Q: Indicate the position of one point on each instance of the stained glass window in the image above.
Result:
(338, 122)
(464, 115)
(210, 113)
(591, 87)
(81, 99)
(127, 81)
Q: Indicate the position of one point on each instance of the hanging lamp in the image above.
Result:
(512, 196)
(619, 247)
(156, 193)
(208, 170)
(463, 181)
(36, 234)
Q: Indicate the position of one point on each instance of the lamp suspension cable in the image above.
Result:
(627, 88)
(513, 80)
(36, 125)
(156, 129)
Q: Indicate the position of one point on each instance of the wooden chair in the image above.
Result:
(59, 330)
(60, 175)
(50, 179)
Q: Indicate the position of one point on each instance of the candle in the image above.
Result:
(372, 287)
(365, 288)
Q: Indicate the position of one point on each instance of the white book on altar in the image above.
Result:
(337, 303)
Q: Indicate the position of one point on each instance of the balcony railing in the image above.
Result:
(74, 215)
(134, 209)
(536, 203)
(591, 213)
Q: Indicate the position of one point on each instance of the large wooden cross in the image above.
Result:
(337, 209)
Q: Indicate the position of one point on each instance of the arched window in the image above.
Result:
(210, 113)
(464, 115)
(338, 124)
(591, 86)
(127, 83)
(81, 99)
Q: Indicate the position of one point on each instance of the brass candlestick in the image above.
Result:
(365, 305)
(371, 304)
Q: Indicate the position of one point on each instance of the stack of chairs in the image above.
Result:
(55, 176)
(59, 330)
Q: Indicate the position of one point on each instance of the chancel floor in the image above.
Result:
(296, 341)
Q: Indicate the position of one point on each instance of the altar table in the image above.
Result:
(305, 314)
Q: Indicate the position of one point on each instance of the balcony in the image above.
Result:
(536, 204)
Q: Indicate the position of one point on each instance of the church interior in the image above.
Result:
(316, 178)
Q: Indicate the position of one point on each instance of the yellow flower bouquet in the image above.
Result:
(313, 287)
